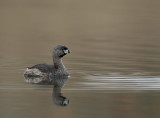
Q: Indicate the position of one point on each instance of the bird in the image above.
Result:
(45, 70)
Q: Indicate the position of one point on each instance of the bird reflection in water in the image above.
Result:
(58, 82)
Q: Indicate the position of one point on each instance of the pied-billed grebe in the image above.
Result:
(57, 68)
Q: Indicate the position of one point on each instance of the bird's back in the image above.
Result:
(39, 70)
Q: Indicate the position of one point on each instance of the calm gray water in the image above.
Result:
(114, 65)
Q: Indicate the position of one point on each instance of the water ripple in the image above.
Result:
(121, 83)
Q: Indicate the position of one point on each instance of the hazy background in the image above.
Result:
(108, 38)
(103, 31)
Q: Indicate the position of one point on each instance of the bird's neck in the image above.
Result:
(57, 62)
